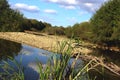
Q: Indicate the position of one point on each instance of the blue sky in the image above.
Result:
(57, 12)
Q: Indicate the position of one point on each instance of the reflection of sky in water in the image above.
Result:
(30, 56)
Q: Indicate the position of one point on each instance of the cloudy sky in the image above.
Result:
(57, 12)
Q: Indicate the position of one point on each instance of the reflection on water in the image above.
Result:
(30, 55)
(8, 48)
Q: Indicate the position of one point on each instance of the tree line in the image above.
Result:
(103, 27)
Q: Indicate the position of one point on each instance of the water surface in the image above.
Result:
(30, 55)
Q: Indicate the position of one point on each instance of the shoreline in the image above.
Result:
(49, 43)
(43, 41)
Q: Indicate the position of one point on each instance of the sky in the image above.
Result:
(57, 12)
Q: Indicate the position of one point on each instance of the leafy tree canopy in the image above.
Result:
(10, 20)
(106, 22)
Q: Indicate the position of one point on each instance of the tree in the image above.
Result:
(69, 32)
(10, 20)
(81, 31)
(37, 25)
(106, 22)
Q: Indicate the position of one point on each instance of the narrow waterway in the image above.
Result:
(30, 55)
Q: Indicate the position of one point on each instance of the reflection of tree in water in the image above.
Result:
(9, 48)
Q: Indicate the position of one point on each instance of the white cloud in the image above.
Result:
(64, 2)
(87, 5)
(90, 7)
(50, 11)
(25, 7)
(68, 7)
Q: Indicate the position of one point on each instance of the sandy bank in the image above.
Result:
(43, 41)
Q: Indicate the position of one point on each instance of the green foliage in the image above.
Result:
(12, 72)
(54, 30)
(69, 32)
(26, 25)
(81, 31)
(37, 25)
(106, 22)
(57, 64)
(33, 24)
(58, 67)
(10, 20)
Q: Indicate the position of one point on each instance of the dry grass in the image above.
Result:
(46, 42)
(43, 41)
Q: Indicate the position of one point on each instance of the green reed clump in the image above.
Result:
(12, 70)
(58, 67)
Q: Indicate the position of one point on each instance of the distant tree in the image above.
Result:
(47, 25)
(33, 24)
(10, 20)
(37, 25)
(69, 32)
(81, 31)
(59, 30)
(26, 25)
(106, 22)
(48, 28)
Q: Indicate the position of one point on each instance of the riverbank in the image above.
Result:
(43, 41)
(49, 42)
(40, 41)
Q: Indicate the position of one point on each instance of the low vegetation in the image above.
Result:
(11, 70)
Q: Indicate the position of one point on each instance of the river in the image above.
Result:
(29, 56)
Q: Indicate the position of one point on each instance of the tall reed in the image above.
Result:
(58, 67)
(12, 70)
